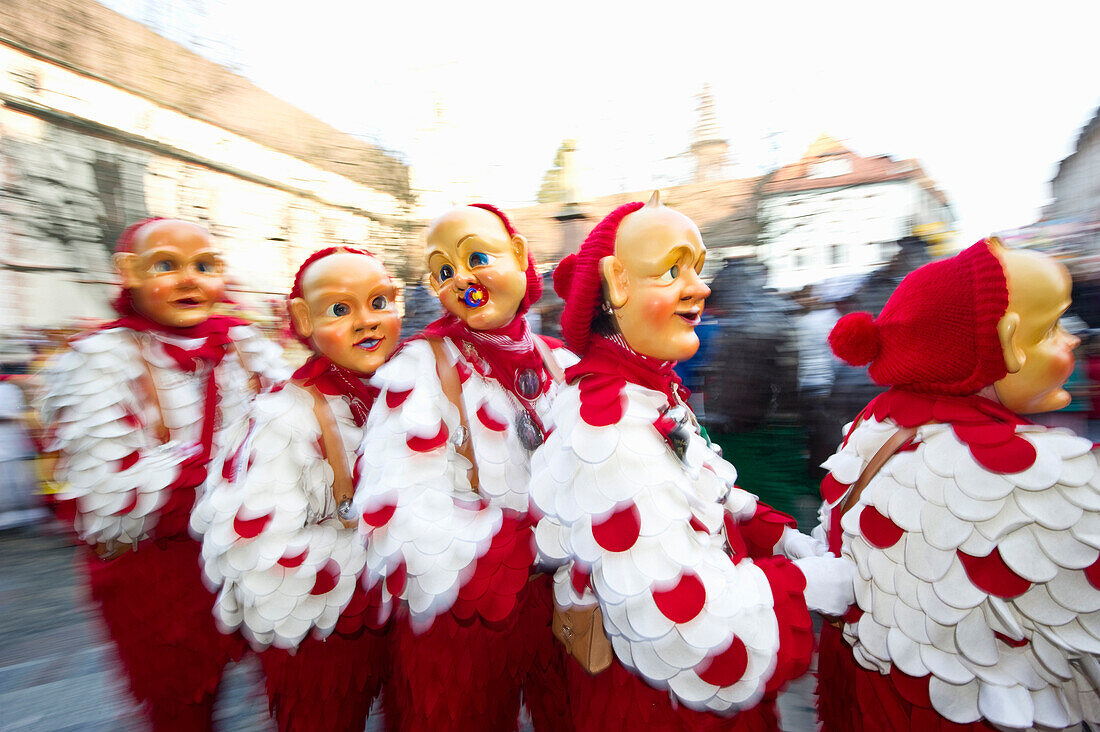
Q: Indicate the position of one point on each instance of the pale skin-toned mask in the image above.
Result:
(348, 312)
(470, 246)
(174, 274)
(653, 282)
(1038, 352)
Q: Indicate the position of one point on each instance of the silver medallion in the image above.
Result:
(458, 437)
(529, 433)
(344, 510)
(528, 384)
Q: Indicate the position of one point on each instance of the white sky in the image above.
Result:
(988, 95)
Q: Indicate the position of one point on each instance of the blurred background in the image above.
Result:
(825, 151)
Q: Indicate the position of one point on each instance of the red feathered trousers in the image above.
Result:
(159, 615)
(619, 700)
(327, 685)
(469, 676)
(851, 698)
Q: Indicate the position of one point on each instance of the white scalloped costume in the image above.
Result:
(123, 487)
(977, 541)
(472, 630)
(287, 567)
(665, 546)
(979, 562)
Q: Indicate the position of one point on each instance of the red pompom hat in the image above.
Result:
(577, 279)
(937, 333)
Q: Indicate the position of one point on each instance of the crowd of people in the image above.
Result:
(580, 500)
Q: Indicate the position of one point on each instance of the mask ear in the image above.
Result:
(299, 317)
(125, 264)
(1014, 356)
(519, 249)
(614, 280)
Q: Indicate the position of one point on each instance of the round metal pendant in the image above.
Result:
(527, 384)
(458, 437)
(344, 510)
(529, 433)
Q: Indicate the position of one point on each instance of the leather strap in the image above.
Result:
(253, 377)
(549, 361)
(148, 388)
(333, 448)
(891, 446)
(448, 379)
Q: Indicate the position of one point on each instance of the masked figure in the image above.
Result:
(143, 412)
(274, 538)
(975, 532)
(671, 562)
(442, 497)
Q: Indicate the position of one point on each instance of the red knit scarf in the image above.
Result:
(215, 341)
(987, 428)
(335, 380)
(611, 356)
(500, 354)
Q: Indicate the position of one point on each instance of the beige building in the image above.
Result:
(104, 122)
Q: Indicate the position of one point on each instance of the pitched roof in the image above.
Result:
(803, 175)
(724, 211)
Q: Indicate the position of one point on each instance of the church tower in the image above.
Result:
(709, 149)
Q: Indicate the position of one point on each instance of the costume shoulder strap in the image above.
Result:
(448, 379)
(342, 487)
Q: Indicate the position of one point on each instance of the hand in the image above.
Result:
(830, 583)
(793, 544)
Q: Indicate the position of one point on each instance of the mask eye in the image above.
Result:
(446, 272)
(672, 273)
(379, 303)
(338, 310)
(479, 259)
(163, 265)
(204, 267)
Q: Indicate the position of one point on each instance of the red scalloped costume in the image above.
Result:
(123, 487)
(704, 621)
(473, 626)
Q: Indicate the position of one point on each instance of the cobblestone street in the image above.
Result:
(56, 666)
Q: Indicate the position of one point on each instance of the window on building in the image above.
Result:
(831, 168)
(800, 259)
(837, 254)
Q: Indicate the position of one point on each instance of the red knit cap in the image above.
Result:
(577, 279)
(534, 282)
(937, 333)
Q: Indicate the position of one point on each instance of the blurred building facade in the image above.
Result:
(104, 122)
(1076, 185)
(834, 213)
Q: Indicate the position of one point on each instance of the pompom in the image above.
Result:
(563, 276)
(855, 339)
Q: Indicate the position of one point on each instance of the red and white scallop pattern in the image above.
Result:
(977, 568)
(640, 532)
(284, 564)
(113, 467)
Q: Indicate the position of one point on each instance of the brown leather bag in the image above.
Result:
(580, 629)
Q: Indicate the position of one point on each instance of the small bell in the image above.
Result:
(344, 510)
(680, 435)
(527, 384)
(529, 433)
